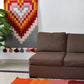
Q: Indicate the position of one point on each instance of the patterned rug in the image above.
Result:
(44, 81)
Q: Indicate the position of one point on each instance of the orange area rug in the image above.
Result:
(44, 81)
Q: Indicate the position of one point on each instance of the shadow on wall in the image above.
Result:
(39, 19)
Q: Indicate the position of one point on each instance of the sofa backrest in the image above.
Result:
(54, 42)
(75, 43)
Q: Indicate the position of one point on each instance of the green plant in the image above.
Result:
(4, 27)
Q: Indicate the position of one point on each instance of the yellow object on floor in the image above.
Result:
(10, 50)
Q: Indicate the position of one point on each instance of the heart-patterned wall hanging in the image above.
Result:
(23, 15)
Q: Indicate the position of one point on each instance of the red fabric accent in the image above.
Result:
(27, 50)
(76, 82)
(16, 50)
(32, 50)
(4, 50)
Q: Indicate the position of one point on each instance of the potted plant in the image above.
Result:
(4, 27)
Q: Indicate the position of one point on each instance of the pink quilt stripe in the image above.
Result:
(58, 82)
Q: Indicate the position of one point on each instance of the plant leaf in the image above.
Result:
(1, 23)
(6, 46)
(3, 35)
(6, 29)
(3, 12)
(3, 31)
(2, 39)
(0, 44)
(3, 18)
(5, 22)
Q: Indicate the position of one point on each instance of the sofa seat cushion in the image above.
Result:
(47, 58)
(74, 59)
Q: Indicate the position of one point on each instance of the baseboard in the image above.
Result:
(10, 61)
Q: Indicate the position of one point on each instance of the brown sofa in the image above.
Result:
(59, 55)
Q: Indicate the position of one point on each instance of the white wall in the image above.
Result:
(1, 4)
(56, 16)
(61, 16)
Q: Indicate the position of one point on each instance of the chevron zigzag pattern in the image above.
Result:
(23, 15)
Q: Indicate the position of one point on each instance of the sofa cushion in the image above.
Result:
(51, 42)
(47, 58)
(74, 59)
(75, 43)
